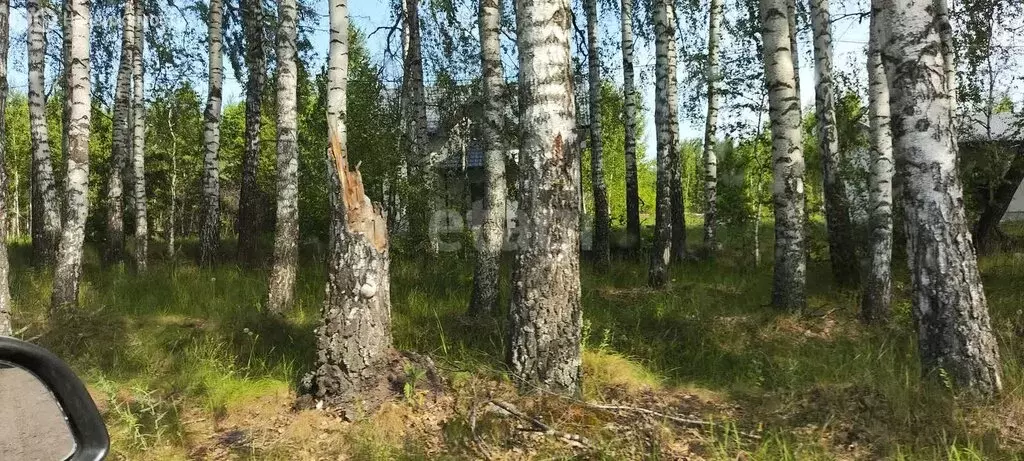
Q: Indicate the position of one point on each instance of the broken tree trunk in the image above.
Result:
(354, 340)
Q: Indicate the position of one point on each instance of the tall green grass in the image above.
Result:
(181, 338)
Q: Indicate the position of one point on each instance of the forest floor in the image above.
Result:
(184, 364)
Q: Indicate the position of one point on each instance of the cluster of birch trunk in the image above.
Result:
(912, 99)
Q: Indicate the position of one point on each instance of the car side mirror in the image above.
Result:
(47, 412)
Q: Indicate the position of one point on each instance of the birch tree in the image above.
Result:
(139, 144)
(256, 63)
(121, 145)
(602, 221)
(545, 320)
(486, 275)
(790, 271)
(209, 237)
(665, 113)
(955, 335)
(414, 113)
(877, 297)
(5, 268)
(46, 222)
(711, 128)
(629, 120)
(354, 340)
(841, 241)
(68, 271)
(281, 285)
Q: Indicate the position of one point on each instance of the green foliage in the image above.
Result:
(613, 137)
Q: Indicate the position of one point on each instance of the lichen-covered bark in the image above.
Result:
(789, 281)
(209, 236)
(139, 145)
(545, 320)
(629, 123)
(955, 337)
(120, 145)
(602, 221)
(256, 63)
(714, 77)
(5, 268)
(46, 222)
(68, 271)
(841, 241)
(354, 340)
(492, 229)
(877, 297)
(281, 286)
(665, 126)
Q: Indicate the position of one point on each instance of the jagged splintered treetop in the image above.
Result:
(361, 215)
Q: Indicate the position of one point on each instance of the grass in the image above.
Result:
(185, 364)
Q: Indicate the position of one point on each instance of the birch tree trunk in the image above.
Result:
(354, 340)
(788, 287)
(139, 145)
(171, 214)
(415, 130)
(602, 220)
(665, 124)
(546, 316)
(841, 241)
(46, 221)
(209, 238)
(5, 268)
(676, 156)
(122, 135)
(248, 200)
(68, 271)
(794, 32)
(711, 128)
(281, 286)
(629, 122)
(486, 276)
(877, 297)
(955, 337)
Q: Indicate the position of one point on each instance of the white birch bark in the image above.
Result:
(665, 125)
(711, 128)
(354, 340)
(629, 122)
(415, 127)
(139, 144)
(46, 221)
(5, 267)
(790, 271)
(955, 337)
(209, 238)
(121, 146)
(68, 271)
(546, 316)
(877, 296)
(492, 230)
(676, 156)
(602, 221)
(281, 286)
(841, 241)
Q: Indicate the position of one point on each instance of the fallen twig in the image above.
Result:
(676, 419)
(575, 440)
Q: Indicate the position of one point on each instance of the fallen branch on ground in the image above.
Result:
(676, 419)
(575, 440)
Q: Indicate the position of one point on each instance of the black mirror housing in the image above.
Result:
(91, 439)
